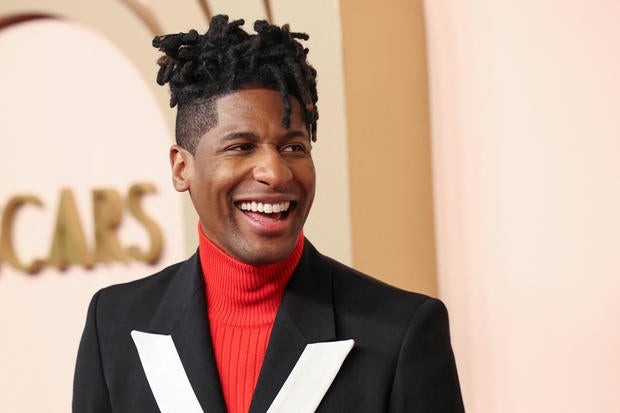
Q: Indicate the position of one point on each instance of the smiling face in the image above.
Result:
(251, 180)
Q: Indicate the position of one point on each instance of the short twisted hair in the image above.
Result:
(202, 68)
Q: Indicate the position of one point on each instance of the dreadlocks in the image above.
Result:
(201, 68)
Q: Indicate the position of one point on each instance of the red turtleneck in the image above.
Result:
(242, 301)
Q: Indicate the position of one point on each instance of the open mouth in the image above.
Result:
(276, 210)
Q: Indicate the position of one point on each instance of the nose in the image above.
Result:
(271, 168)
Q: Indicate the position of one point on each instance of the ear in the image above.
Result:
(181, 164)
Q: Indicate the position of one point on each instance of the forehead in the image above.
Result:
(256, 106)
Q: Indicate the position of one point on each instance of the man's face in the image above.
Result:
(251, 180)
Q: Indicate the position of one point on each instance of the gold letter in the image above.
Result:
(136, 192)
(7, 249)
(69, 244)
(108, 212)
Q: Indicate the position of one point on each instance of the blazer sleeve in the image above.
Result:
(426, 379)
(90, 391)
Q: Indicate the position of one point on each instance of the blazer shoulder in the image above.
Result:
(365, 305)
(366, 289)
(141, 297)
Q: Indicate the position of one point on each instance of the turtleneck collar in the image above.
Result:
(240, 294)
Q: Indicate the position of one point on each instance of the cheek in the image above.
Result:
(219, 188)
(307, 177)
(306, 180)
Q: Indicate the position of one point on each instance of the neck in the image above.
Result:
(243, 294)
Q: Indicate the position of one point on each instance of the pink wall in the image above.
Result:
(525, 105)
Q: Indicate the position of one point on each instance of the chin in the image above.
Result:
(266, 256)
(261, 259)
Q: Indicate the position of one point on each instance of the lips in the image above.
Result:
(267, 217)
(264, 207)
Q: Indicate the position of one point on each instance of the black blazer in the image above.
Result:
(402, 359)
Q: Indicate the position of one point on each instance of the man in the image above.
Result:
(257, 320)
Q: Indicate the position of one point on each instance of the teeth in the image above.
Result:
(265, 207)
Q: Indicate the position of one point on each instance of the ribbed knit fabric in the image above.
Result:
(242, 301)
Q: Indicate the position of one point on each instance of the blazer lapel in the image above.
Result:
(305, 316)
(165, 373)
(182, 313)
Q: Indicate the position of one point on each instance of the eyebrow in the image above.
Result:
(251, 135)
(294, 134)
(239, 135)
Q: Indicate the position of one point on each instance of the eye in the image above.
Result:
(241, 147)
(295, 147)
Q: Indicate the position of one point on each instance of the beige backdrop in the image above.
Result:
(373, 207)
(74, 115)
(389, 147)
(124, 29)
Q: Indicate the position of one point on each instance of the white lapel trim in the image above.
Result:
(311, 377)
(165, 374)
